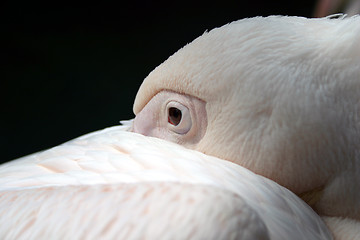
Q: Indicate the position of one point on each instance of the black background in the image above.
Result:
(67, 70)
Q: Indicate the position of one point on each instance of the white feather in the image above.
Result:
(117, 184)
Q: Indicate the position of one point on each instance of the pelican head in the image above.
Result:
(277, 95)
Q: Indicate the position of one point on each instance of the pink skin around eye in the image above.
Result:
(147, 120)
(153, 121)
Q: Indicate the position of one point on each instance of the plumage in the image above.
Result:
(155, 189)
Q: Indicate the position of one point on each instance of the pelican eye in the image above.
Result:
(178, 117)
(174, 116)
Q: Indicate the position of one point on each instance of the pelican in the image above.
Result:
(253, 116)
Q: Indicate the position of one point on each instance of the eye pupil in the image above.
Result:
(174, 116)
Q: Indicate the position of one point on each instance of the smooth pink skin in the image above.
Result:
(152, 120)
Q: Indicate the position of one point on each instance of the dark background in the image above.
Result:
(67, 70)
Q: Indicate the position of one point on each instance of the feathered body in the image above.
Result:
(116, 184)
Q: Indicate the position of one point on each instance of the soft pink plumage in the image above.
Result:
(118, 184)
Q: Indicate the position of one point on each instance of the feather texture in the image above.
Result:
(118, 183)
